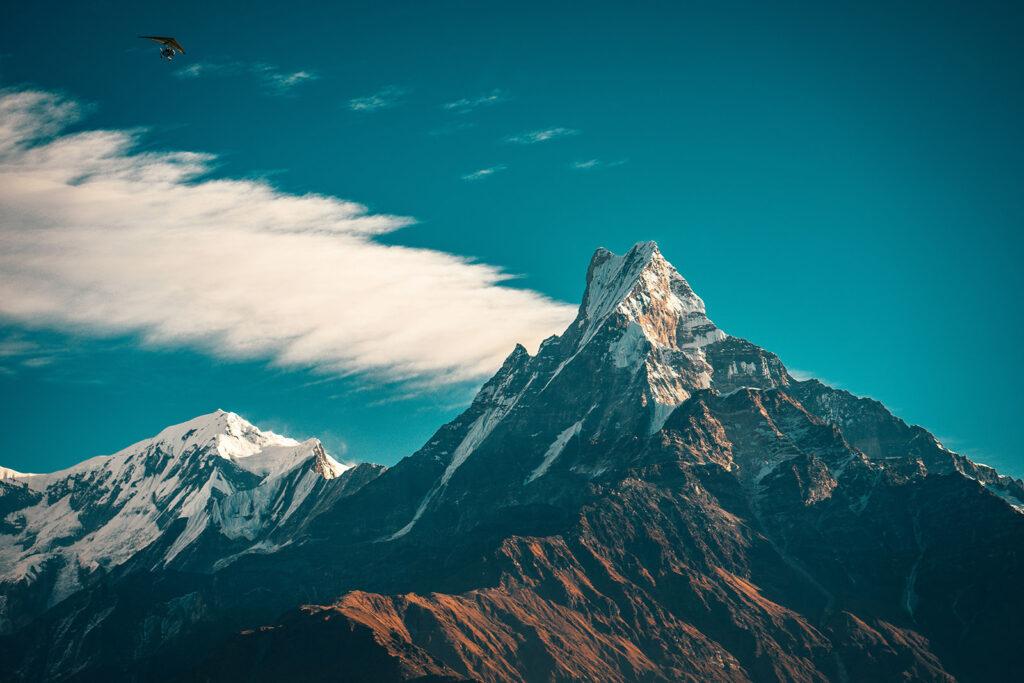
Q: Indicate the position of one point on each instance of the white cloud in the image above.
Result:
(468, 104)
(385, 98)
(593, 164)
(102, 238)
(534, 136)
(482, 173)
(284, 81)
(273, 78)
(197, 69)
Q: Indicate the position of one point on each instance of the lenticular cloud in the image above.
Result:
(100, 236)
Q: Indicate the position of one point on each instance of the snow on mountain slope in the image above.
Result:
(555, 450)
(216, 471)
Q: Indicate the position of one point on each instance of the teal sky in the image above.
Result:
(841, 184)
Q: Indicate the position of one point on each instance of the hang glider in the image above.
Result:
(170, 45)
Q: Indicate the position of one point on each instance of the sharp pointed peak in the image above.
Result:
(612, 278)
(643, 287)
(638, 256)
(646, 250)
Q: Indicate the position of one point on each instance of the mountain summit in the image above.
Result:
(645, 498)
(645, 289)
(635, 351)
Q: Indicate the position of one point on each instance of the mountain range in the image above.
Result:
(645, 498)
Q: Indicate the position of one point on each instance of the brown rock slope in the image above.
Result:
(683, 570)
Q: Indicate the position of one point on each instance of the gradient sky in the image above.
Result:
(841, 182)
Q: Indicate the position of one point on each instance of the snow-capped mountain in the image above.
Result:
(215, 474)
(640, 326)
(645, 498)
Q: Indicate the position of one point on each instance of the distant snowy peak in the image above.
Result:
(230, 435)
(218, 472)
(218, 433)
(643, 288)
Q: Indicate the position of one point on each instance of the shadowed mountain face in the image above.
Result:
(646, 498)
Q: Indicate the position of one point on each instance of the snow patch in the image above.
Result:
(554, 450)
(628, 350)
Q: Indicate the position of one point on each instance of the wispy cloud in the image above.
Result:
(385, 98)
(103, 238)
(16, 351)
(482, 173)
(13, 347)
(468, 104)
(273, 78)
(206, 69)
(534, 136)
(284, 81)
(594, 164)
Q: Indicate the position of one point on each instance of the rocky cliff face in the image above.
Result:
(646, 498)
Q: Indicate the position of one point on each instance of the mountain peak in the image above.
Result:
(231, 435)
(644, 288)
(640, 253)
(608, 270)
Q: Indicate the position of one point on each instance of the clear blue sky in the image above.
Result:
(841, 182)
